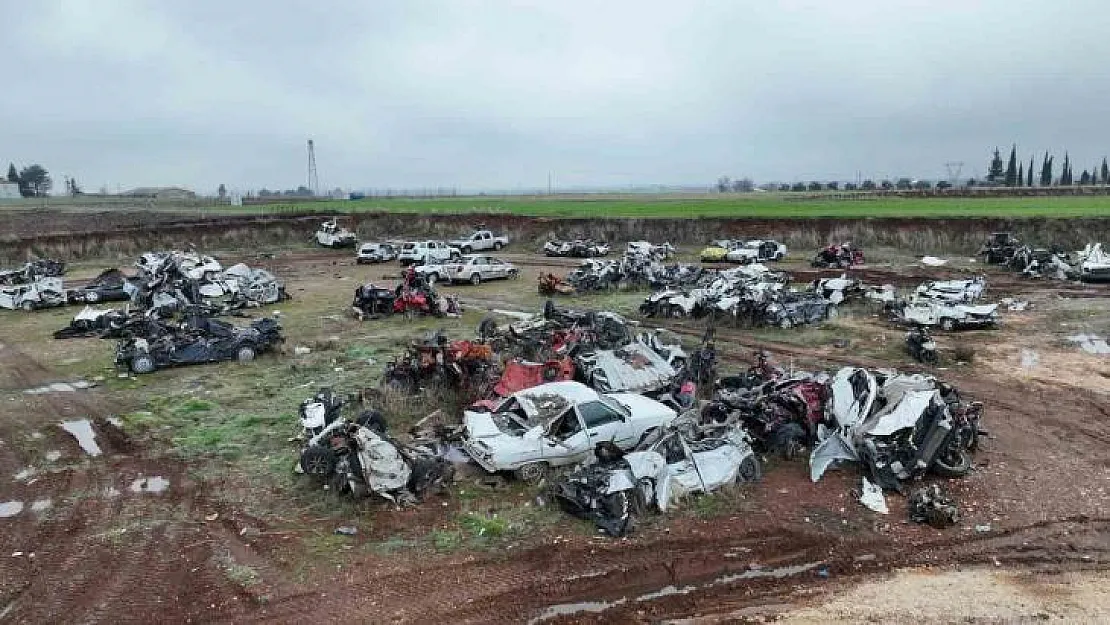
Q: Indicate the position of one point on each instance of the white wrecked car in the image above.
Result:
(1095, 265)
(557, 424)
(756, 251)
(953, 290)
(949, 316)
(621, 485)
(42, 293)
(331, 234)
(257, 285)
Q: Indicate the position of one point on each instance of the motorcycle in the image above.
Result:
(921, 346)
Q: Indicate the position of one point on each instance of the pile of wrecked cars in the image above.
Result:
(1090, 264)
(948, 304)
(578, 248)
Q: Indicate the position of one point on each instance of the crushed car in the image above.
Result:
(968, 290)
(197, 340)
(42, 293)
(557, 424)
(32, 271)
(757, 251)
(108, 286)
(95, 322)
(999, 248)
(578, 248)
(621, 486)
(1095, 264)
(411, 298)
(948, 316)
(841, 256)
(898, 426)
(331, 234)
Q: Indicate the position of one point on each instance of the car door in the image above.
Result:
(495, 268)
(566, 441)
(680, 465)
(604, 423)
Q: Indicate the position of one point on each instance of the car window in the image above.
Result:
(595, 414)
(565, 426)
(494, 261)
(671, 449)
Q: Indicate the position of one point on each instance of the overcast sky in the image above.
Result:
(412, 93)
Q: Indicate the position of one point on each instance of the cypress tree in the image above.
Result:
(1011, 168)
(1105, 172)
(1021, 174)
(1029, 172)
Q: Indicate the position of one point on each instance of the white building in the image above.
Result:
(9, 191)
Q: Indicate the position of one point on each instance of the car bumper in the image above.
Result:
(481, 457)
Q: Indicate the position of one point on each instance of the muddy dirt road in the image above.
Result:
(133, 535)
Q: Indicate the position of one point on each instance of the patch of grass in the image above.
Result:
(238, 574)
(484, 526)
(445, 541)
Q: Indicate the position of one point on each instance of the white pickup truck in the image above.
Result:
(480, 241)
(427, 252)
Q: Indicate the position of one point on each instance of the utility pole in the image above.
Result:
(957, 167)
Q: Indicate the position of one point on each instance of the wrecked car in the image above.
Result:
(32, 271)
(757, 251)
(376, 253)
(622, 486)
(921, 346)
(948, 316)
(953, 290)
(108, 286)
(440, 363)
(257, 286)
(1095, 265)
(472, 269)
(898, 426)
(836, 290)
(557, 424)
(331, 234)
(840, 256)
(797, 309)
(578, 248)
(551, 284)
(363, 460)
(999, 248)
(199, 340)
(42, 293)
(647, 249)
(372, 301)
(480, 240)
(93, 322)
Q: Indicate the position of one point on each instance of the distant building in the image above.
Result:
(162, 193)
(9, 191)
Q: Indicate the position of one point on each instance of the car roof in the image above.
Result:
(575, 392)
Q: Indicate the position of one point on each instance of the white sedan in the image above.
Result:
(757, 251)
(473, 269)
(558, 424)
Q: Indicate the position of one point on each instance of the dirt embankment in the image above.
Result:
(75, 235)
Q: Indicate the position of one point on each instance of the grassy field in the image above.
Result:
(773, 206)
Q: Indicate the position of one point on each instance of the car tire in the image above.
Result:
(514, 274)
(531, 473)
(466, 249)
(778, 256)
(92, 297)
(955, 464)
(786, 323)
(475, 279)
(497, 246)
(749, 470)
(644, 496)
(947, 324)
(142, 363)
(27, 306)
(432, 278)
(318, 461)
(245, 354)
(832, 312)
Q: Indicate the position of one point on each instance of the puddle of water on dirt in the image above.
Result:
(10, 509)
(569, 609)
(82, 430)
(53, 455)
(41, 505)
(111, 491)
(156, 484)
(1029, 359)
(25, 474)
(1091, 344)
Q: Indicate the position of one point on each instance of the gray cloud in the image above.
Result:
(497, 94)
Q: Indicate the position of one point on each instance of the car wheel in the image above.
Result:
(514, 274)
(832, 312)
(786, 323)
(947, 324)
(245, 354)
(318, 461)
(28, 306)
(92, 297)
(952, 463)
(466, 249)
(475, 279)
(432, 278)
(142, 363)
(778, 256)
(531, 473)
(497, 246)
(749, 470)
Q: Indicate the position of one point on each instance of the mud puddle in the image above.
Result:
(154, 485)
(598, 607)
(10, 508)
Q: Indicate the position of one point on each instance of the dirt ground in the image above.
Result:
(234, 538)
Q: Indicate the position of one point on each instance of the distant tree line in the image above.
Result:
(35, 181)
(1013, 173)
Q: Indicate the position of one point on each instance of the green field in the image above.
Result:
(758, 207)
